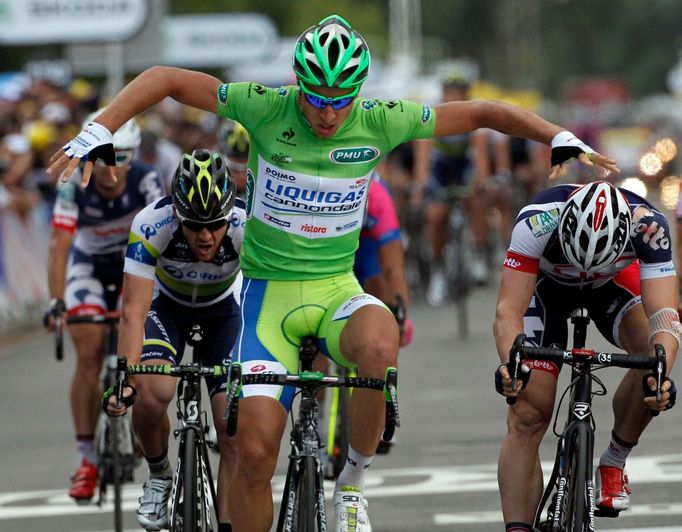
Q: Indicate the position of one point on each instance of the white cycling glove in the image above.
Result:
(566, 145)
(93, 142)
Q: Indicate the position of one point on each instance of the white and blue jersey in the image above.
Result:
(158, 250)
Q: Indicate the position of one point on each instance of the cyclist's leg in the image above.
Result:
(620, 317)
(220, 324)
(519, 472)
(359, 330)
(263, 409)
(84, 294)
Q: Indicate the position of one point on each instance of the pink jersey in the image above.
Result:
(381, 221)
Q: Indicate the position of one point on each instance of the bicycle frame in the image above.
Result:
(193, 493)
(573, 504)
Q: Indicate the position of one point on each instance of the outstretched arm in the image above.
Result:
(453, 118)
(189, 87)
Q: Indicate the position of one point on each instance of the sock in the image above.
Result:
(616, 453)
(224, 527)
(518, 527)
(353, 473)
(86, 448)
(159, 466)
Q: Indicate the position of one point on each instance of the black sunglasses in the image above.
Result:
(197, 227)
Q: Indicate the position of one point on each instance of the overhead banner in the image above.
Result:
(25, 22)
(218, 40)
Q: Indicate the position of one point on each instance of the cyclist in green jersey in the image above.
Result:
(313, 148)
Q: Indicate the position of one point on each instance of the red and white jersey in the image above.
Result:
(535, 244)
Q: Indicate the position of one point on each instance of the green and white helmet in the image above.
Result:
(332, 54)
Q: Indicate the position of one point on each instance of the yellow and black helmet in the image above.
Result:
(202, 189)
(233, 140)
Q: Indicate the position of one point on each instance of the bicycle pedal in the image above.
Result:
(606, 512)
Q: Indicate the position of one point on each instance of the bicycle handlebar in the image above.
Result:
(177, 371)
(589, 357)
(108, 318)
(312, 379)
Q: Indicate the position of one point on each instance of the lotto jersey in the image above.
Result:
(306, 195)
(535, 241)
(381, 221)
(102, 224)
(158, 250)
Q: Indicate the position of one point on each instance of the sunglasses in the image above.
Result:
(197, 227)
(320, 102)
(121, 158)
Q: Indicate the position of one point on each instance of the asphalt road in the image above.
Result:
(441, 475)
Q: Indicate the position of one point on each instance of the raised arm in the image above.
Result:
(189, 87)
(453, 118)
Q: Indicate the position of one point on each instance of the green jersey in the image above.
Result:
(306, 195)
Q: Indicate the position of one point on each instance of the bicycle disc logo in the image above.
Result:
(581, 410)
(192, 411)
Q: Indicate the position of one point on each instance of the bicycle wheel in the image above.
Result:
(286, 519)
(114, 429)
(306, 497)
(575, 510)
(189, 483)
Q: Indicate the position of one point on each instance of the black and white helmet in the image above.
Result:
(594, 226)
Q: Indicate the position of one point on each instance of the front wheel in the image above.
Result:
(577, 508)
(307, 497)
(189, 483)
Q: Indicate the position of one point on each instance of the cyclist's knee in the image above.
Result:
(154, 394)
(529, 420)
(256, 460)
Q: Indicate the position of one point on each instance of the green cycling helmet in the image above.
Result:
(202, 188)
(331, 54)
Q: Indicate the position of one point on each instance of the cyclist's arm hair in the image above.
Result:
(137, 298)
(657, 294)
(516, 291)
(189, 87)
(392, 264)
(453, 118)
(58, 256)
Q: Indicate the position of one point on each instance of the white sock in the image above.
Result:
(615, 454)
(353, 473)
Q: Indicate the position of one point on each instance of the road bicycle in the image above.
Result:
(117, 450)
(193, 500)
(303, 503)
(568, 502)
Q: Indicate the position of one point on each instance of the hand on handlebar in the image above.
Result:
(56, 309)
(668, 393)
(503, 380)
(111, 404)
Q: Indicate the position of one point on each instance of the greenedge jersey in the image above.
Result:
(306, 195)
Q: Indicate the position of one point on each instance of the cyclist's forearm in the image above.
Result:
(191, 88)
(392, 263)
(505, 330)
(56, 264)
(130, 337)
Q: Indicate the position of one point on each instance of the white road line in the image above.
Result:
(639, 510)
(380, 483)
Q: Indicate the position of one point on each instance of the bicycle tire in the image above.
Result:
(306, 498)
(575, 511)
(114, 429)
(189, 483)
(289, 496)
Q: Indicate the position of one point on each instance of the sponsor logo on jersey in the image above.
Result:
(149, 230)
(543, 223)
(346, 226)
(283, 91)
(250, 189)
(276, 221)
(307, 228)
(92, 211)
(368, 105)
(394, 103)
(194, 275)
(258, 89)
(313, 199)
(280, 158)
(426, 114)
(286, 136)
(361, 154)
(278, 175)
(511, 262)
(653, 234)
(222, 93)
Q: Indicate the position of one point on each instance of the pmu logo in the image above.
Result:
(361, 154)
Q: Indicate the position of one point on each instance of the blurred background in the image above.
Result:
(610, 72)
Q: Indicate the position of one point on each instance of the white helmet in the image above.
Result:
(127, 137)
(594, 226)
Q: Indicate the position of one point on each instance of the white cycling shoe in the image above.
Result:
(153, 511)
(351, 510)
